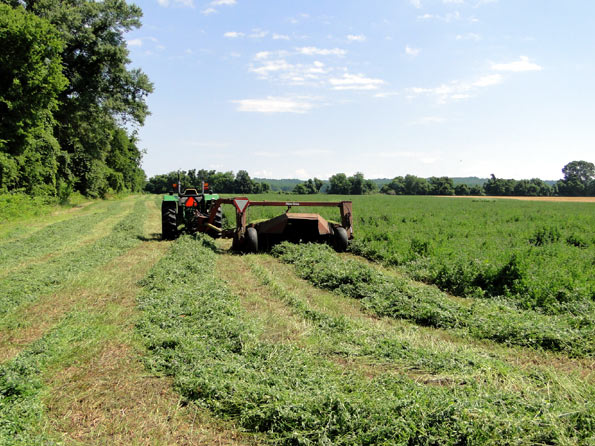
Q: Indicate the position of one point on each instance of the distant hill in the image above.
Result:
(287, 184)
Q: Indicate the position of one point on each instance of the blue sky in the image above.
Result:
(304, 88)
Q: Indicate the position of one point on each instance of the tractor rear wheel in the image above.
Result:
(251, 241)
(169, 224)
(340, 239)
(218, 218)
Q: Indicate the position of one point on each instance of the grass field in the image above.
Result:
(451, 322)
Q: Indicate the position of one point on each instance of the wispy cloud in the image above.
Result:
(518, 66)
(213, 6)
(287, 68)
(258, 33)
(488, 80)
(167, 3)
(469, 36)
(135, 42)
(272, 104)
(356, 37)
(412, 51)
(458, 90)
(280, 36)
(233, 34)
(415, 3)
(355, 82)
(314, 51)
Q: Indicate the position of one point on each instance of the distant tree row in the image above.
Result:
(579, 180)
(221, 182)
(68, 99)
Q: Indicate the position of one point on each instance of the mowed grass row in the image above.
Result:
(26, 284)
(342, 328)
(22, 412)
(56, 236)
(196, 330)
(387, 295)
(538, 255)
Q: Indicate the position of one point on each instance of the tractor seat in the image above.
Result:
(190, 192)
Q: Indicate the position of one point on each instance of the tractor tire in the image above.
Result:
(341, 241)
(218, 218)
(251, 241)
(169, 224)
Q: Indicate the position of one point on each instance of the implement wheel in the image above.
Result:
(340, 239)
(169, 224)
(251, 241)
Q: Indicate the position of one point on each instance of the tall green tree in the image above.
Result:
(578, 178)
(31, 81)
(103, 94)
(441, 186)
(339, 184)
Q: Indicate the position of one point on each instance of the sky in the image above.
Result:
(310, 88)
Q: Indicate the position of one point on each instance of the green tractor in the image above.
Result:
(189, 211)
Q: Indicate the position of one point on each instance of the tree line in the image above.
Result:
(579, 180)
(220, 182)
(69, 105)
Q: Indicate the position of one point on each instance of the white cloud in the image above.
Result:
(186, 3)
(518, 66)
(356, 37)
(262, 55)
(490, 79)
(273, 104)
(258, 33)
(280, 36)
(270, 66)
(313, 51)
(386, 94)
(416, 3)
(469, 36)
(212, 7)
(302, 174)
(135, 42)
(458, 90)
(411, 51)
(355, 82)
(448, 18)
(233, 34)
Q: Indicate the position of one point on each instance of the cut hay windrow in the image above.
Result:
(400, 298)
(27, 284)
(195, 330)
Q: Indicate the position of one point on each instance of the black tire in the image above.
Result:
(169, 224)
(251, 241)
(218, 221)
(341, 240)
